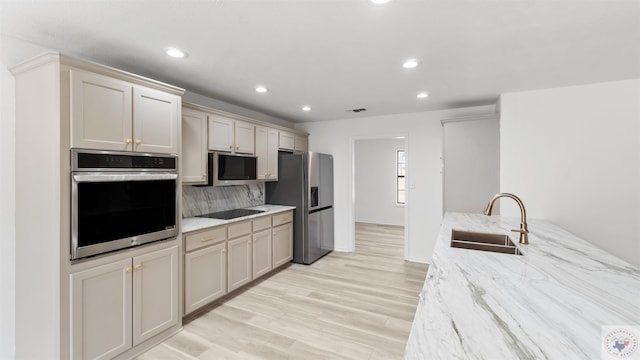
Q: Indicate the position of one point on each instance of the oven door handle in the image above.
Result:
(111, 177)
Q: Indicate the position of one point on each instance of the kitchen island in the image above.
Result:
(551, 302)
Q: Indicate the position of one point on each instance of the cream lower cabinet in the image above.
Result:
(223, 258)
(119, 305)
(239, 255)
(205, 267)
(262, 246)
(282, 238)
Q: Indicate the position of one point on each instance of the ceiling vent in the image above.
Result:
(357, 110)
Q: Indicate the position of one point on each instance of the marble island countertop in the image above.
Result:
(549, 303)
(197, 223)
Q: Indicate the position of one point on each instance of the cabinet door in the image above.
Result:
(245, 137)
(267, 153)
(220, 133)
(262, 152)
(262, 260)
(205, 274)
(286, 140)
(194, 147)
(272, 152)
(101, 112)
(155, 293)
(155, 121)
(282, 244)
(239, 261)
(300, 143)
(101, 311)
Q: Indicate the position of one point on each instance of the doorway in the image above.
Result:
(380, 194)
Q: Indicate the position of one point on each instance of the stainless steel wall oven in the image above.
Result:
(121, 199)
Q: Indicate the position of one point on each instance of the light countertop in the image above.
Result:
(549, 303)
(196, 223)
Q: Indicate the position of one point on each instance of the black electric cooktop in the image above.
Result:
(231, 214)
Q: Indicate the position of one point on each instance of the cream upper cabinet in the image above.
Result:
(291, 141)
(155, 293)
(110, 114)
(101, 112)
(194, 147)
(286, 140)
(101, 311)
(220, 133)
(267, 153)
(156, 116)
(301, 143)
(227, 134)
(244, 137)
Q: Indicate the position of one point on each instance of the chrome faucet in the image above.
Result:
(524, 231)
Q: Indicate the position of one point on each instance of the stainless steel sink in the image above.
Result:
(498, 243)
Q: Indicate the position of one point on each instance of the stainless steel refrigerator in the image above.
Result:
(305, 180)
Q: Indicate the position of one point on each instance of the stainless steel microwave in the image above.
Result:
(232, 169)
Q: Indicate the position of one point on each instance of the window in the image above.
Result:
(400, 180)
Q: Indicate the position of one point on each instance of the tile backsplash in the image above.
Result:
(198, 200)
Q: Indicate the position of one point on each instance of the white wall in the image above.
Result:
(471, 163)
(7, 214)
(573, 155)
(12, 51)
(375, 181)
(423, 132)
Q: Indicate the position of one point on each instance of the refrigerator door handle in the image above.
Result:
(320, 209)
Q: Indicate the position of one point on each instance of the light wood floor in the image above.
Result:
(344, 306)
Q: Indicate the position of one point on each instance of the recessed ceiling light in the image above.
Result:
(422, 95)
(306, 108)
(411, 63)
(176, 53)
(261, 89)
(379, 2)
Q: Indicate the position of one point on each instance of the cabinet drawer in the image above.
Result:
(207, 237)
(282, 218)
(261, 223)
(239, 229)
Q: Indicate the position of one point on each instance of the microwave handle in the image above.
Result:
(78, 178)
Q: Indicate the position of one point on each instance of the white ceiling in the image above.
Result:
(335, 55)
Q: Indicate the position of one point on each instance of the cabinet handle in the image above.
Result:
(138, 141)
(208, 239)
(204, 176)
(230, 147)
(129, 141)
(237, 147)
(127, 269)
(224, 251)
(249, 242)
(139, 266)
